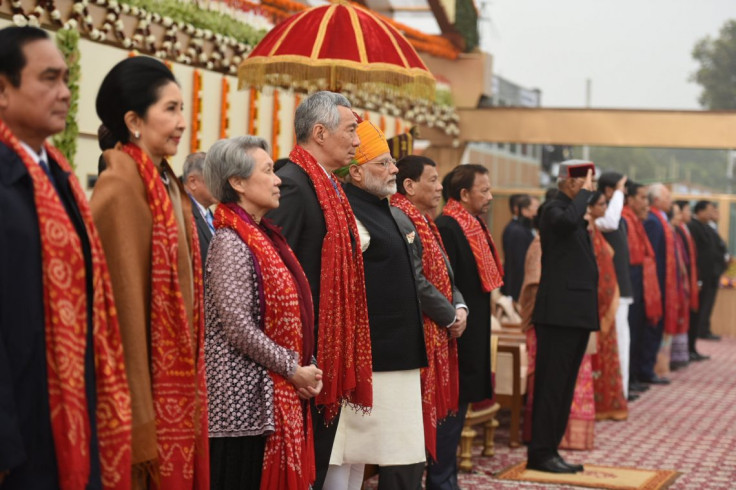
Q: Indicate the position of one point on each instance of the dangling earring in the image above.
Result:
(137, 134)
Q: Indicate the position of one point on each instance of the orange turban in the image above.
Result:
(372, 144)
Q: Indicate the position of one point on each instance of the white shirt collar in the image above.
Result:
(202, 209)
(36, 157)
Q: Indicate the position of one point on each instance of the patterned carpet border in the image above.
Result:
(659, 479)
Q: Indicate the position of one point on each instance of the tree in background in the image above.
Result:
(717, 72)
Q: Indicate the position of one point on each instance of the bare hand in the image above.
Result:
(621, 184)
(588, 184)
(310, 391)
(461, 322)
(306, 376)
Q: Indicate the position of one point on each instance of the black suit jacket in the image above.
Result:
(203, 231)
(474, 346)
(516, 240)
(434, 304)
(26, 442)
(302, 223)
(710, 256)
(568, 288)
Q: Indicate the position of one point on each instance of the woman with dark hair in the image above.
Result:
(259, 341)
(146, 226)
(610, 402)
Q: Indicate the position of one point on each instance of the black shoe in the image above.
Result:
(637, 387)
(656, 380)
(553, 464)
(632, 397)
(675, 365)
(710, 336)
(577, 468)
(697, 357)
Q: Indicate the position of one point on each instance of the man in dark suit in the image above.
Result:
(474, 260)
(517, 236)
(37, 187)
(325, 128)
(565, 312)
(202, 200)
(419, 194)
(660, 201)
(711, 265)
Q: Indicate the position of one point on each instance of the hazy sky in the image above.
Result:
(636, 52)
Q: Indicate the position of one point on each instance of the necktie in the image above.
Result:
(335, 184)
(210, 220)
(45, 167)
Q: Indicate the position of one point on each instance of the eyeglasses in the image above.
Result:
(386, 163)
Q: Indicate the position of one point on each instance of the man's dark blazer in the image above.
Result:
(302, 223)
(655, 232)
(710, 257)
(516, 240)
(474, 346)
(434, 304)
(203, 230)
(26, 442)
(568, 289)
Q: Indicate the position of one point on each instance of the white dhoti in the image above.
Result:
(393, 432)
(623, 335)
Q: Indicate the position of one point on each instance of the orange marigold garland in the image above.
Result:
(276, 129)
(252, 111)
(224, 108)
(195, 142)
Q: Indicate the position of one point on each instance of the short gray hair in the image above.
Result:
(230, 158)
(194, 164)
(655, 191)
(318, 108)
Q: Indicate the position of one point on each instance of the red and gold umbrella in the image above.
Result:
(335, 47)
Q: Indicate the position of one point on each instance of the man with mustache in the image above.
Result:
(391, 436)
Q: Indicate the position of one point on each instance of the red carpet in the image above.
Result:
(688, 426)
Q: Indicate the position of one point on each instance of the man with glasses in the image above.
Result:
(391, 436)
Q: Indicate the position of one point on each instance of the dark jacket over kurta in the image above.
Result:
(711, 263)
(26, 441)
(474, 346)
(568, 289)
(397, 335)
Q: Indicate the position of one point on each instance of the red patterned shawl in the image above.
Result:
(693, 272)
(288, 460)
(670, 279)
(481, 243)
(641, 253)
(344, 352)
(177, 351)
(683, 285)
(440, 388)
(65, 316)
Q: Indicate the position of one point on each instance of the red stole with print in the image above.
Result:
(288, 460)
(440, 384)
(177, 351)
(641, 253)
(693, 272)
(481, 243)
(65, 328)
(344, 352)
(670, 277)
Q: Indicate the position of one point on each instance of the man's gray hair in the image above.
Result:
(318, 108)
(193, 164)
(655, 191)
(227, 158)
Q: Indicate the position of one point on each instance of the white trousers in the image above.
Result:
(344, 477)
(623, 336)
